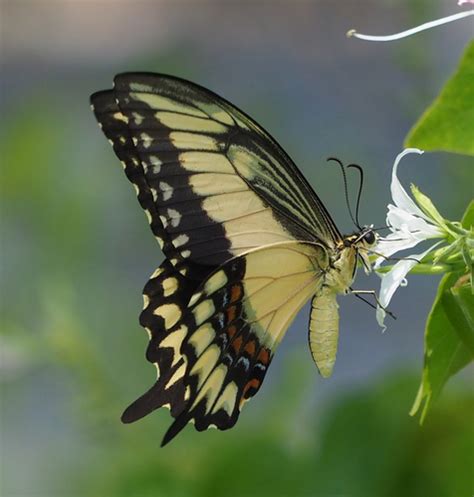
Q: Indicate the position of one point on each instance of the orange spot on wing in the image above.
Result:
(231, 313)
(231, 331)
(253, 383)
(235, 293)
(236, 344)
(250, 348)
(264, 356)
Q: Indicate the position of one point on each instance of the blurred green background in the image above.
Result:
(76, 251)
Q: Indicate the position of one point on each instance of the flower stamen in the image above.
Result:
(422, 27)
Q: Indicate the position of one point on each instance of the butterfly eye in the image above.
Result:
(369, 237)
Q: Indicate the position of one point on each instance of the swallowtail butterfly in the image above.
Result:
(247, 244)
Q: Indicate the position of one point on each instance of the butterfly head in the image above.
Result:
(362, 242)
(366, 238)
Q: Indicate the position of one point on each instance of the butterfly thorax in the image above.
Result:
(341, 270)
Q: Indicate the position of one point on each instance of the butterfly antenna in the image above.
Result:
(361, 185)
(346, 194)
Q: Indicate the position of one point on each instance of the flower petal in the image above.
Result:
(399, 194)
(391, 244)
(400, 219)
(394, 278)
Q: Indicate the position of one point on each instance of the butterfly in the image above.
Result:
(247, 243)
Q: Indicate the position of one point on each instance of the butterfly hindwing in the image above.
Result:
(234, 323)
(165, 296)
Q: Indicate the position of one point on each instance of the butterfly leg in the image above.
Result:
(358, 293)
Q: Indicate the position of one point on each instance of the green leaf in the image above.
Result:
(467, 223)
(468, 217)
(448, 124)
(449, 341)
(464, 317)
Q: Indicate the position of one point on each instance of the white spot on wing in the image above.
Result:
(146, 139)
(156, 163)
(193, 141)
(167, 190)
(203, 311)
(138, 118)
(187, 123)
(170, 285)
(195, 298)
(118, 116)
(244, 361)
(148, 216)
(216, 281)
(157, 272)
(202, 337)
(175, 217)
(180, 240)
(164, 221)
(170, 313)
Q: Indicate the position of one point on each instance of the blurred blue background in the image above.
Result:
(76, 251)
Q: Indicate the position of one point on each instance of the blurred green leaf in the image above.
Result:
(446, 352)
(468, 217)
(463, 303)
(448, 124)
(341, 454)
(468, 224)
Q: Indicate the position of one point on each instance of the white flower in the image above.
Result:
(409, 225)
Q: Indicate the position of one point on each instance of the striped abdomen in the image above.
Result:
(324, 330)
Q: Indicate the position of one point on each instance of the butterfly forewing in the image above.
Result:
(211, 167)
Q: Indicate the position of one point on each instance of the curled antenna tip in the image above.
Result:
(351, 33)
(346, 193)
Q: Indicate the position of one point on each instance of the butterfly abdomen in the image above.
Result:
(324, 330)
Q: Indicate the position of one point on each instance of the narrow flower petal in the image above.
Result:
(399, 194)
(395, 278)
(412, 31)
